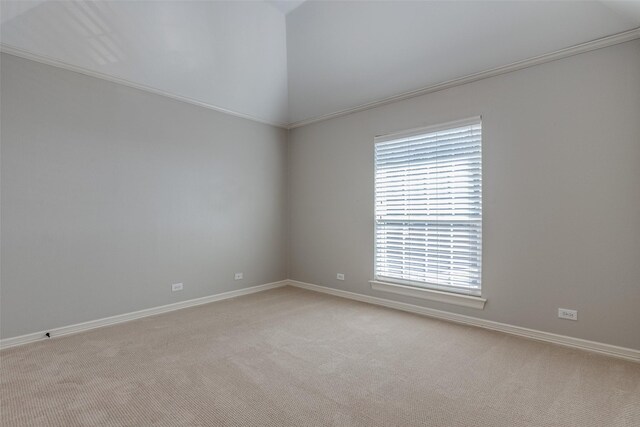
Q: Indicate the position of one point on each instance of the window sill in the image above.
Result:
(429, 294)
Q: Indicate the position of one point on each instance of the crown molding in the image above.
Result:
(515, 66)
(12, 50)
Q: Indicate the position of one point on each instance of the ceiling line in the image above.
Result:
(515, 66)
(519, 65)
(11, 50)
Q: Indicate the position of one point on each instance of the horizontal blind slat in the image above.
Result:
(429, 208)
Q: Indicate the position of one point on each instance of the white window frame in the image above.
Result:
(423, 290)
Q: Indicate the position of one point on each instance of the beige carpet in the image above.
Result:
(289, 357)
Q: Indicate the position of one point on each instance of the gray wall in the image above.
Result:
(561, 164)
(341, 54)
(110, 195)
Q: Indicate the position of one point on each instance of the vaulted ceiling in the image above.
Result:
(231, 55)
(286, 62)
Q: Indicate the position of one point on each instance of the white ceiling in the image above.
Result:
(11, 9)
(288, 61)
(228, 54)
(285, 6)
(345, 54)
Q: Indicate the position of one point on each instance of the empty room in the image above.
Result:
(320, 213)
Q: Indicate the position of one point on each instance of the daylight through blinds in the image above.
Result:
(428, 209)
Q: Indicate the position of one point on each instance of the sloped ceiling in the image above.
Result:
(231, 55)
(286, 6)
(11, 9)
(345, 54)
(285, 62)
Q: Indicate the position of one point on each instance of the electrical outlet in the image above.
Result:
(239, 276)
(564, 313)
(340, 276)
(176, 287)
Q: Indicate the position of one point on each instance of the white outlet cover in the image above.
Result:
(177, 287)
(340, 276)
(564, 313)
(239, 276)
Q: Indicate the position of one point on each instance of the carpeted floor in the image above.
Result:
(290, 357)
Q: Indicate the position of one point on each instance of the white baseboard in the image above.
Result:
(592, 346)
(92, 324)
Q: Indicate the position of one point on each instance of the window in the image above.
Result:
(428, 208)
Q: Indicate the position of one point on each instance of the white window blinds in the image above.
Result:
(428, 196)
